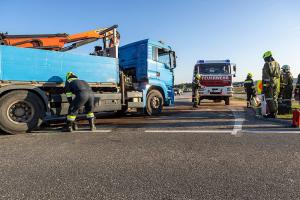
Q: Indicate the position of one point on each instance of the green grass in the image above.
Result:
(296, 105)
(239, 90)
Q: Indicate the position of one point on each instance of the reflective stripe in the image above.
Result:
(69, 94)
(90, 115)
(298, 84)
(267, 80)
(248, 81)
(286, 100)
(269, 99)
(72, 79)
(71, 118)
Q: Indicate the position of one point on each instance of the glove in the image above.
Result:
(70, 99)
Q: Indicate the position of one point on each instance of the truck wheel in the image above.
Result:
(20, 112)
(154, 104)
(227, 101)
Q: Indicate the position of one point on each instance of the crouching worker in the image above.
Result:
(83, 97)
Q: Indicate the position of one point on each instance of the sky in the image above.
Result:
(238, 30)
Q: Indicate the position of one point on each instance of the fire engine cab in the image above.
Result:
(216, 79)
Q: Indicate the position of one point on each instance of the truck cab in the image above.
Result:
(216, 79)
(149, 67)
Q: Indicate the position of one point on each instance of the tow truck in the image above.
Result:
(137, 77)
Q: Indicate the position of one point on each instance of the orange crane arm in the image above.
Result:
(55, 41)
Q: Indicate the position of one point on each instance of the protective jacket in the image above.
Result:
(83, 97)
(271, 84)
(196, 87)
(249, 85)
(286, 86)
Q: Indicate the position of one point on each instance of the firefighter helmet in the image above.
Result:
(198, 76)
(267, 54)
(285, 68)
(70, 75)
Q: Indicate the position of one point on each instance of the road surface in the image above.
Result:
(214, 152)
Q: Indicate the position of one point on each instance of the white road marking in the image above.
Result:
(238, 123)
(188, 131)
(270, 132)
(232, 132)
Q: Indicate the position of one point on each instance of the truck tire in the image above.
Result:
(154, 103)
(20, 111)
(227, 101)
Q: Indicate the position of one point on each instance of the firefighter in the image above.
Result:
(83, 97)
(297, 89)
(249, 89)
(271, 83)
(196, 87)
(286, 88)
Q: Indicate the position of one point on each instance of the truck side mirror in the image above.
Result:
(234, 68)
(172, 59)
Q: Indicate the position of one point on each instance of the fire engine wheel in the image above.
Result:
(154, 103)
(227, 101)
(20, 112)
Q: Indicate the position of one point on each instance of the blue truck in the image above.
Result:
(138, 77)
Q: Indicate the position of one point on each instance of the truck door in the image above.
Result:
(164, 72)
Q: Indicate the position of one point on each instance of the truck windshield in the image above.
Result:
(213, 68)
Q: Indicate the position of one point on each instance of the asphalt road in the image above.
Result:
(214, 152)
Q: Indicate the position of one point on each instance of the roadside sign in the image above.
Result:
(259, 86)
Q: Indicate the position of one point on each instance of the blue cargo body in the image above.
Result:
(155, 72)
(139, 78)
(23, 64)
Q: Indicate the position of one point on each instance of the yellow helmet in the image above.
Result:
(250, 75)
(197, 76)
(267, 54)
(69, 74)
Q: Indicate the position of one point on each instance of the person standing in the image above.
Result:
(196, 87)
(286, 88)
(271, 83)
(83, 97)
(249, 89)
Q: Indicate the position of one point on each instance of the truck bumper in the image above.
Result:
(226, 91)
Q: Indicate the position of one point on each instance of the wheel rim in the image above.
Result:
(155, 102)
(20, 112)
